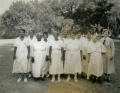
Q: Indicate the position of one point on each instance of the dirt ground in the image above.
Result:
(8, 81)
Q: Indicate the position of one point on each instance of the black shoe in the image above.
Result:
(99, 80)
(36, 79)
(82, 76)
(108, 80)
(43, 79)
(105, 79)
(94, 80)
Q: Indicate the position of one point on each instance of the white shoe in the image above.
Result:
(68, 79)
(29, 75)
(53, 79)
(75, 80)
(25, 79)
(19, 79)
(59, 80)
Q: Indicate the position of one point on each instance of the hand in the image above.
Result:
(32, 59)
(62, 58)
(50, 60)
(14, 57)
(28, 56)
(84, 57)
(47, 58)
(111, 58)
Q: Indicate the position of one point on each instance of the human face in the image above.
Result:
(39, 37)
(65, 35)
(67, 27)
(89, 35)
(94, 39)
(31, 33)
(56, 36)
(98, 37)
(76, 28)
(79, 35)
(106, 33)
(72, 36)
(22, 33)
(68, 36)
(45, 36)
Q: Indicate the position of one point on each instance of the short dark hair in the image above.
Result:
(23, 30)
(32, 31)
(78, 32)
(89, 31)
(45, 33)
(73, 33)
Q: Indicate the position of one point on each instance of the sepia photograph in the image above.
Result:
(59, 46)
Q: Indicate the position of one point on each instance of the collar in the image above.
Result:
(106, 38)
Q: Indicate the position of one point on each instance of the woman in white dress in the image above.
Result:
(21, 55)
(38, 57)
(86, 44)
(95, 67)
(47, 63)
(31, 39)
(55, 55)
(79, 40)
(73, 58)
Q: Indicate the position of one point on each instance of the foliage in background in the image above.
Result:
(42, 16)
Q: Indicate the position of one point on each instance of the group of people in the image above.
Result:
(41, 55)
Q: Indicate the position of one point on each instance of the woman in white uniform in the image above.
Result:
(47, 63)
(21, 56)
(95, 67)
(73, 58)
(79, 40)
(55, 55)
(38, 57)
(31, 39)
(86, 44)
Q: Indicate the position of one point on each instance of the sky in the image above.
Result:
(5, 4)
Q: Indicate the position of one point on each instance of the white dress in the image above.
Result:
(80, 42)
(86, 45)
(65, 41)
(21, 61)
(39, 50)
(57, 65)
(73, 58)
(96, 63)
(31, 42)
(47, 64)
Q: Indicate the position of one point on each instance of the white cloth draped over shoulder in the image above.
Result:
(96, 63)
(39, 53)
(73, 58)
(21, 61)
(56, 66)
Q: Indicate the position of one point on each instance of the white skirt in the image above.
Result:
(38, 65)
(95, 65)
(20, 64)
(72, 62)
(57, 65)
